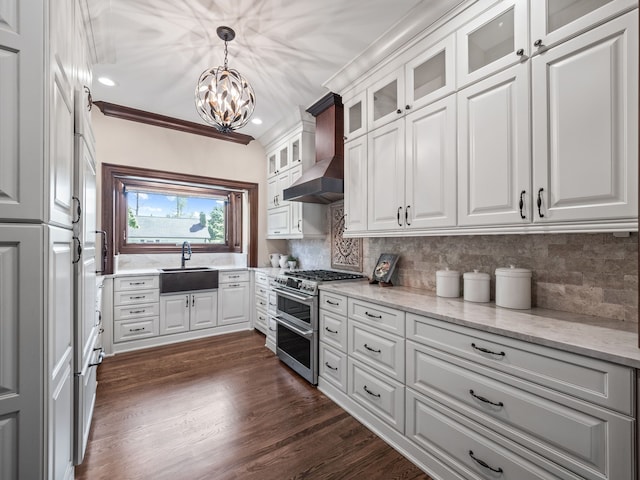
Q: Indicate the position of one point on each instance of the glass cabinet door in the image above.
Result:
(493, 41)
(296, 152)
(355, 116)
(283, 157)
(556, 20)
(431, 75)
(385, 100)
(272, 165)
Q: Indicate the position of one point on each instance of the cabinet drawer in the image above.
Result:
(262, 279)
(135, 329)
(333, 366)
(380, 350)
(385, 318)
(379, 394)
(142, 282)
(333, 303)
(136, 311)
(597, 381)
(136, 297)
(272, 326)
(262, 290)
(439, 430)
(261, 321)
(233, 276)
(333, 330)
(577, 435)
(261, 302)
(272, 306)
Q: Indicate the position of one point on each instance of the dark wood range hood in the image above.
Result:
(324, 181)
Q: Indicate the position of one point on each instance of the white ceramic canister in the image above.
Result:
(476, 286)
(448, 283)
(513, 288)
(274, 258)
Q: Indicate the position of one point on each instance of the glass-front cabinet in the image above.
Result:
(492, 41)
(385, 99)
(355, 116)
(431, 75)
(553, 21)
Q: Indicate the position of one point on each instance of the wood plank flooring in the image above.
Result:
(225, 408)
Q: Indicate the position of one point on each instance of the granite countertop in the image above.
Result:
(156, 271)
(606, 339)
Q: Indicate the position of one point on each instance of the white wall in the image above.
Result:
(123, 142)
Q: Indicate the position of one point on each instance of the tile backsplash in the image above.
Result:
(591, 274)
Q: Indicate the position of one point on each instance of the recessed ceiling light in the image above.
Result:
(256, 121)
(106, 81)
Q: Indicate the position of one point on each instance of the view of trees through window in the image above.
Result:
(163, 218)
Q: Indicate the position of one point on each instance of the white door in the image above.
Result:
(283, 181)
(385, 171)
(278, 222)
(355, 185)
(355, 116)
(62, 252)
(385, 100)
(585, 125)
(272, 191)
(493, 150)
(21, 350)
(204, 310)
(63, 208)
(21, 110)
(430, 178)
(174, 313)
(233, 305)
(295, 208)
(553, 22)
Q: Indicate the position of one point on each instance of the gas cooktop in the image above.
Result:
(323, 275)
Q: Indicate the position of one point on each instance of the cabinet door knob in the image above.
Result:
(538, 43)
(399, 111)
(520, 52)
(407, 107)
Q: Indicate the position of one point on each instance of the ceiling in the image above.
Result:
(156, 49)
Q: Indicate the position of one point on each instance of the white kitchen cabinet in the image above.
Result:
(492, 41)
(585, 125)
(385, 172)
(262, 289)
(554, 22)
(430, 166)
(279, 222)
(308, 220)
(355, 185)
(385, 100)
(233, 303)
(355, 116)
(136, 307)
(494, 162)
(174, 313)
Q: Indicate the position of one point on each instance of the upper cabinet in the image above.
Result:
(555, 21)
(492, 41)
(585, 133)
(385, 99)
(355, 116)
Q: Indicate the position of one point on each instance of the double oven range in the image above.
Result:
(297, 318)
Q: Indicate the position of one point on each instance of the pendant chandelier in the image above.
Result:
(224, 98)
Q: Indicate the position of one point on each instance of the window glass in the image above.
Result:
(164, 218)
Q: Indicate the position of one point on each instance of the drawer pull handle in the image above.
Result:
(272, 304)
(329, 366)
(486, 400)
(141, 329)
(484, 464)
(371, 315)
(136, 298)
(234, 276)
(373, 394)
(484, 350)
(263, 304)
(136, 283)
(136, 311)
(332, 303)
(372, 349)
(329, 330)
(272, 329)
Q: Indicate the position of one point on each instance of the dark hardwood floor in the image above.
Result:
(225, 408)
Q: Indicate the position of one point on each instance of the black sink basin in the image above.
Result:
(174, 280)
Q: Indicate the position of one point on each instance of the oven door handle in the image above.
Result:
(284, 293)
(303, 333)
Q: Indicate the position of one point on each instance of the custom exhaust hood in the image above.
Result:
(324, 181)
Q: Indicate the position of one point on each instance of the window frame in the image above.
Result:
(114, 213)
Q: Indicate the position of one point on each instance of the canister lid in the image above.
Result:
(512, 271)
(447, 273)
(476, 275)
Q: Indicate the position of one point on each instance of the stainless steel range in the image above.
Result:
(297, 318)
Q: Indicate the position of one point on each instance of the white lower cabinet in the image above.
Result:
(466, 403)
(234, 303)
(188, 311)
(204, 310)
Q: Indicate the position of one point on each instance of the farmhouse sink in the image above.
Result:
(175, 280)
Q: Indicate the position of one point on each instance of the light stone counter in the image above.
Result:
(595, 337)
(156, 271)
